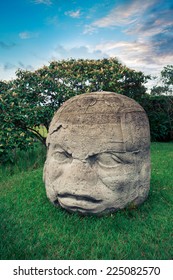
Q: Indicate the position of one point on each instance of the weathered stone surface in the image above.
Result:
(98, 157)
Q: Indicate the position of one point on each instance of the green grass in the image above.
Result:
(24, 161)
(32, 228)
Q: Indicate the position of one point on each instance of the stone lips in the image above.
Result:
(98, 159)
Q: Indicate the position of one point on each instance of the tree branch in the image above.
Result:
(38, 135)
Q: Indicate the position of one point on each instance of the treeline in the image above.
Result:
(31, 99)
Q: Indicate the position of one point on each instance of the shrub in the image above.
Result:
(160, 113)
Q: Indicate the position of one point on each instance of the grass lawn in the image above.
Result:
(32, 228)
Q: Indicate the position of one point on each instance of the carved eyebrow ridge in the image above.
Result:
(56, 146)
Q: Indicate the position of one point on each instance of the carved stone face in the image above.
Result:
(98, 154)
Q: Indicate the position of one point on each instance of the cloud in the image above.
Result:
(135, 19)
(124, 14)
(73, 14)
(138, 55)
(25, 67)
(162, 43)
(154, 21)
(128, 52)
(46, 2)
(156, 29)
(8, 66)
(28, 35)
(6, 46)
(150, 27)
(7, 71)
(89, 29)
(52, 21)
(82, 52)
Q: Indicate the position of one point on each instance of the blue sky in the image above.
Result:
(35, 32)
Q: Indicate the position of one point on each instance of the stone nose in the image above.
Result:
(81, 171)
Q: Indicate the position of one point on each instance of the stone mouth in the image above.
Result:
(77, 208)
(86, 198)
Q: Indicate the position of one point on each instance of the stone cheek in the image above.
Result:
(98, 157)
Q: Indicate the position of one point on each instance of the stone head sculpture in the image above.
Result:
(98, 157)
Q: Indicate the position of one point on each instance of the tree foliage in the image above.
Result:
(159, 106)
(160, 113)
(164, 85)
(32, 98)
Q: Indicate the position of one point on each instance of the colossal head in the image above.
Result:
(98, 157)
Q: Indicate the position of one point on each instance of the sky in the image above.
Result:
(35, 32)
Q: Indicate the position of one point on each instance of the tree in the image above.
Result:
(162, 100)
(164, 84)
(32, 98)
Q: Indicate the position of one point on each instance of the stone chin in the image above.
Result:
(78, 203)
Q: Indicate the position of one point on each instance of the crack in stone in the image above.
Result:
(55, 130)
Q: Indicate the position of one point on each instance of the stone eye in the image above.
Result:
(62, 156)
(108, 160)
